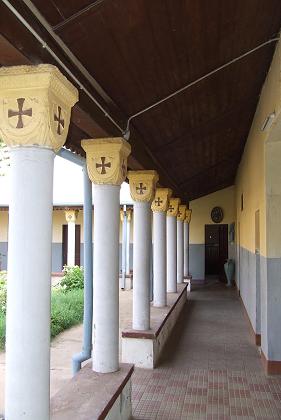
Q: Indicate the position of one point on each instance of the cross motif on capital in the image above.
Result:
(20, 112)
(171, 208)
(141, 188)
(58, 118)
(103, 165)
(158, 202)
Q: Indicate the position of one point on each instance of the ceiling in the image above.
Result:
(130, 54)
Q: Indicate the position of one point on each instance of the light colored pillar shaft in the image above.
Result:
(128, 246)
(180, 252)
(159, 259)
(124, 246)
(186, 248)
(71, 243)
(106, 284)
(142, 247)
(29, 284)
(171, 254)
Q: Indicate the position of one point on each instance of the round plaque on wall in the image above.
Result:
(217, 215)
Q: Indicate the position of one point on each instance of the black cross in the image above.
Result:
(59, 120)
(179, 214)
(103, 165)
(141, 189)
(20, 112)
(171, 208)
(158, 202)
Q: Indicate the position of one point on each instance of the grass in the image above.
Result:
(66, 311)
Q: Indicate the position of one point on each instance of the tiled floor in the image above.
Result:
(211, 369)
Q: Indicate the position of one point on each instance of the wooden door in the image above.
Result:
(216, 250)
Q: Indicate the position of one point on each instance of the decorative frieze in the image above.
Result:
(143, 185)
(161, 199)
(35, 106)
(107, 159)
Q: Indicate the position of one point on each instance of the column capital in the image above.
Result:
(71, 215)
(182, 212)
(35, 106)
(173, 207)
(107, 159)
(161, 199)
(142, 185)
(129, 214)
(188, 214)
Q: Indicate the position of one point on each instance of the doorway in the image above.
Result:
(65, 243)
(216, 250)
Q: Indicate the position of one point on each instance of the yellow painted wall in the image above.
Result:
(250, 179)
(201, 212)
(4, 217)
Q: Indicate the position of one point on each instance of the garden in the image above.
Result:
(67, 299)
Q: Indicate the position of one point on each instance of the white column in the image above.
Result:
(179, 251)
(142, 188)
(186, 248)
(106, 285)
(129, 216)
(141, 264)
(71, 216)
(34, 123)
(124, 246)
(159, 259)
(29, 284)
(172, 245)
(171, 254)
(107, 168)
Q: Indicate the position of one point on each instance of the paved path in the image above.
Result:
(211, 368)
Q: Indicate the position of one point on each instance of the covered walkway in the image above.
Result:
(212, 368)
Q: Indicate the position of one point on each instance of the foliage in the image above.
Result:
(73, 278)
(3, 291)
(66, 311)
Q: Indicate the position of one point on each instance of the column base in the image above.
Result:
(144, 348)
(271, 367)
(91, 395)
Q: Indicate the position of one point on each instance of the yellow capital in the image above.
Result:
(142, 185)
(107, 160)
(71, 215)
(35, 106)
(182, 212)
(188, 216)
(161, 199)
(173, 207)
(129, 214)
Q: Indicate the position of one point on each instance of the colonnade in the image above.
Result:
(35, 115)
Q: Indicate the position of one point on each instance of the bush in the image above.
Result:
(73, 278)
(3, 291)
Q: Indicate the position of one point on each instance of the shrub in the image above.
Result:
(3, 291)
(73, 278)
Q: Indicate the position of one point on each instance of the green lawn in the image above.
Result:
(66, 311)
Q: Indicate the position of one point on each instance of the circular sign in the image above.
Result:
(217, 215)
